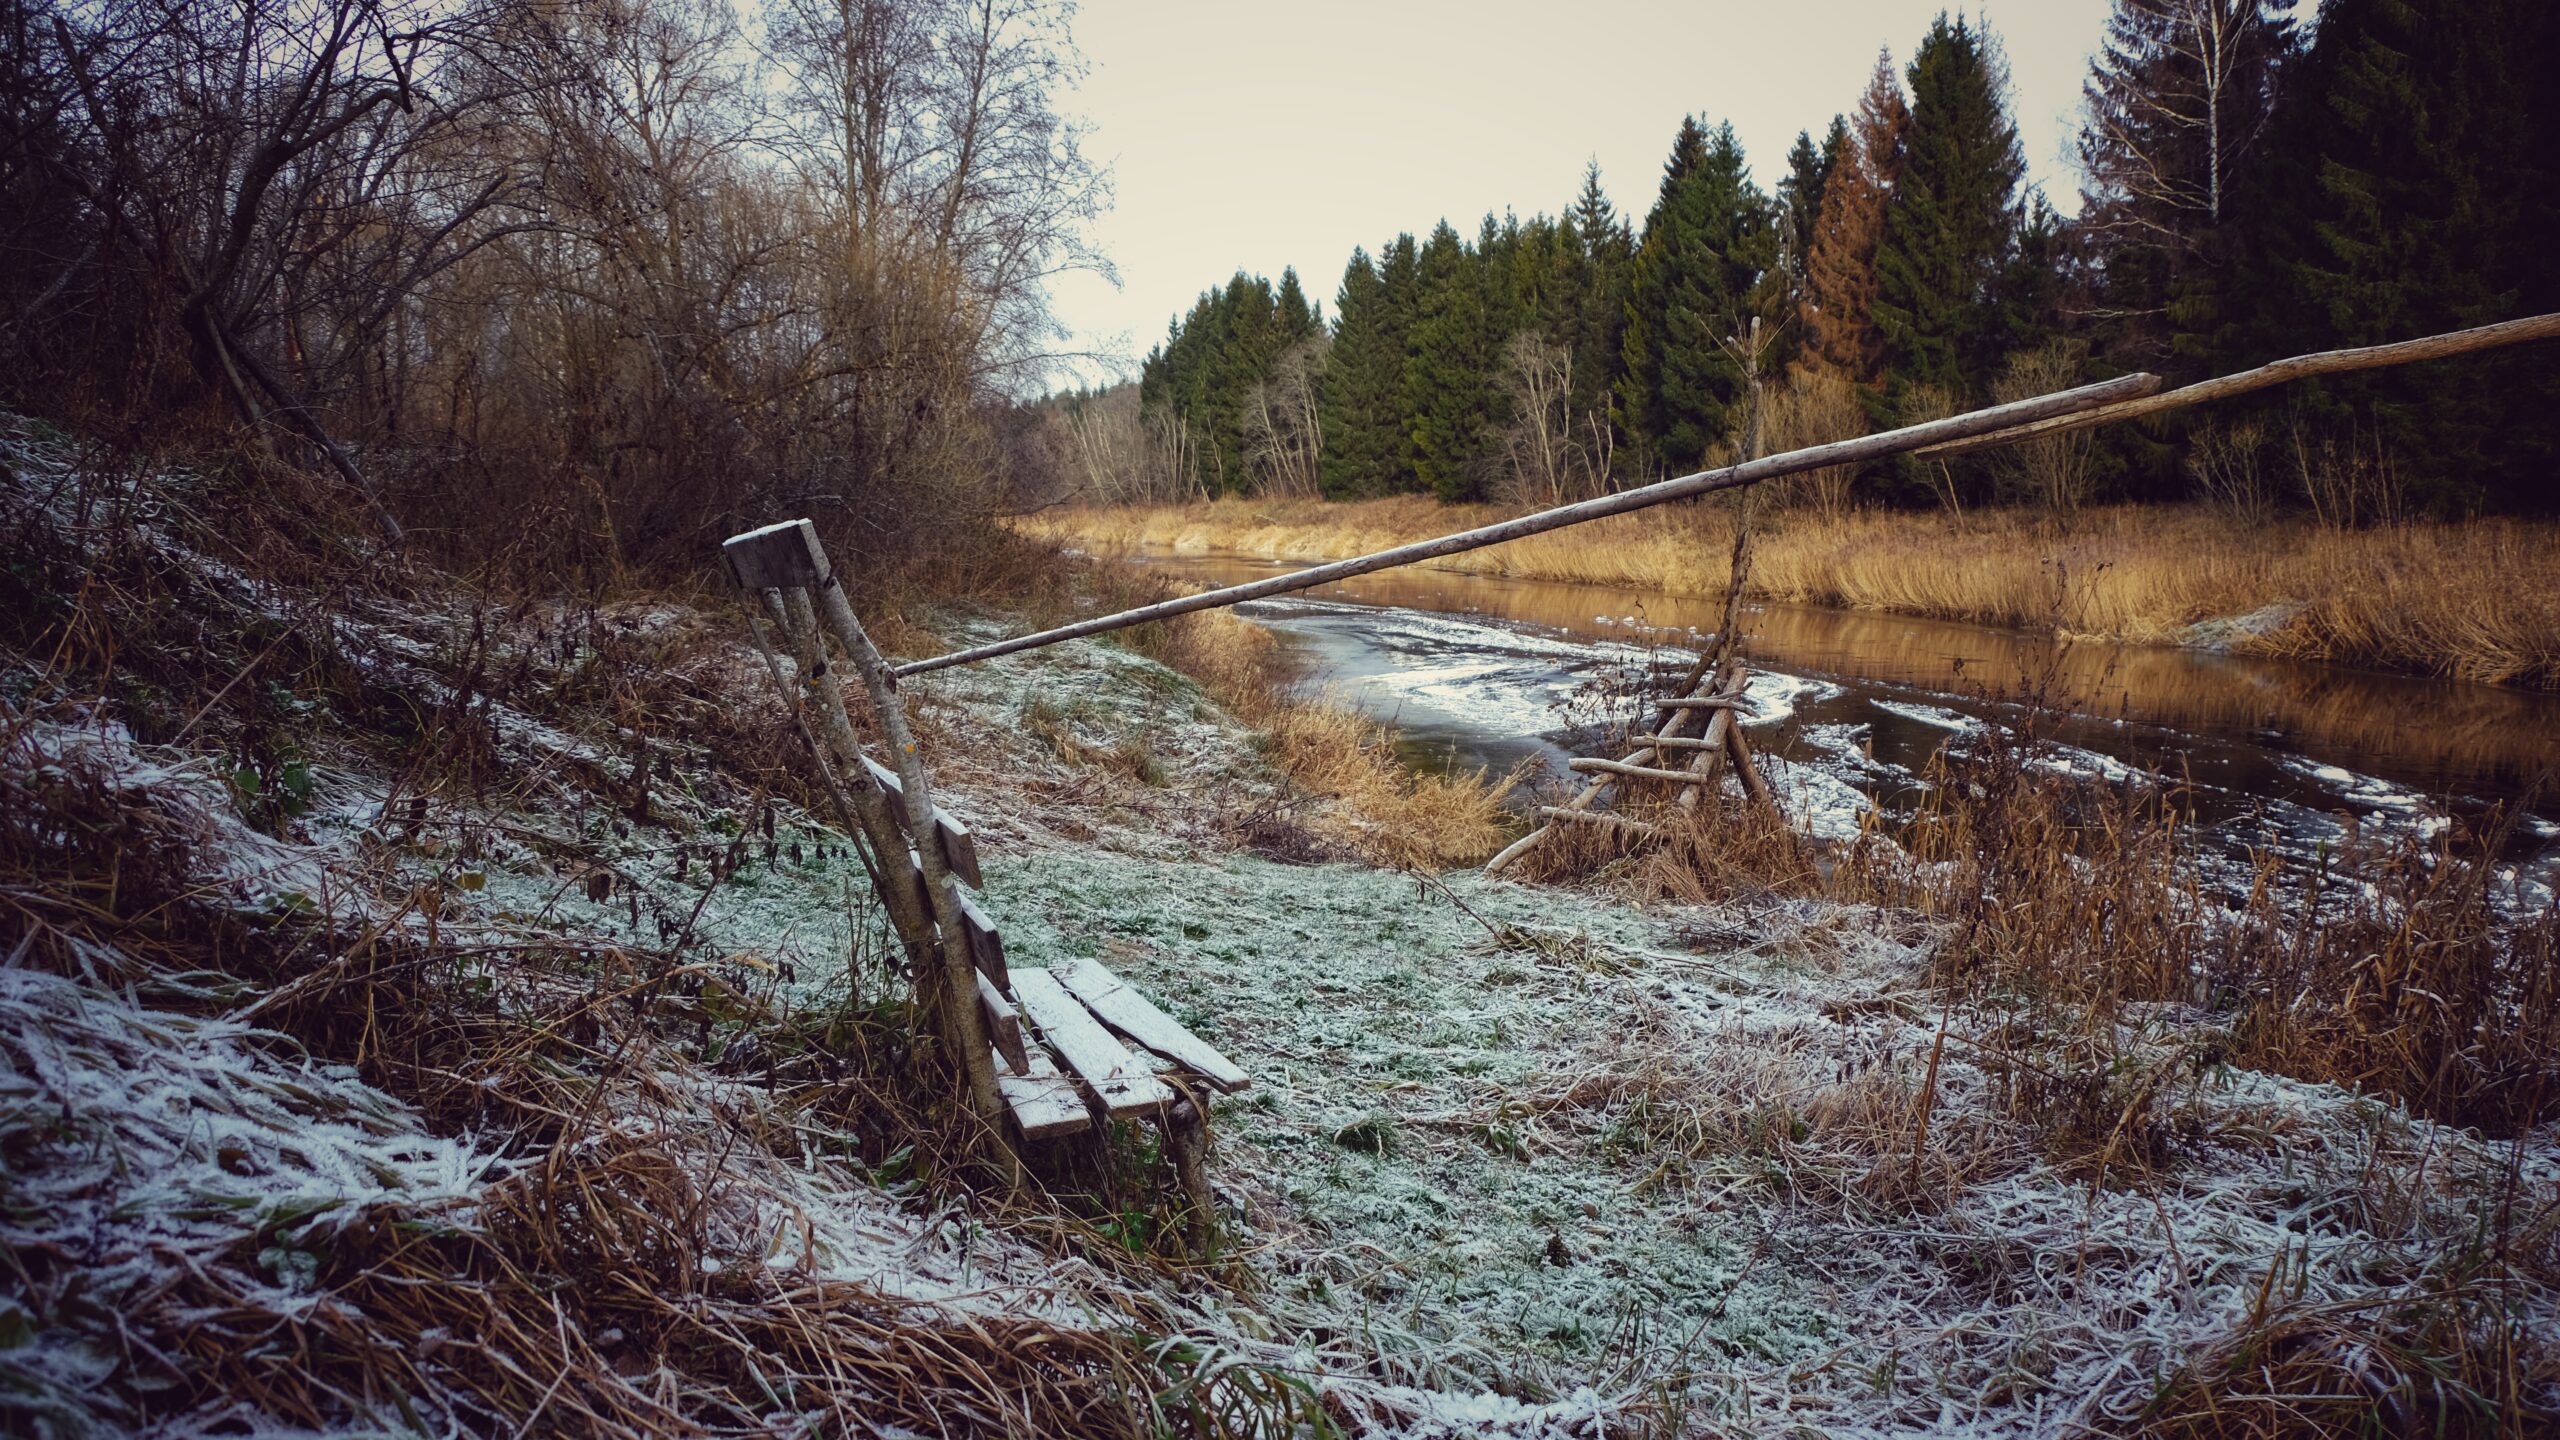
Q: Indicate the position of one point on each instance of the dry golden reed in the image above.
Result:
(1386, 812)
(2473, 600)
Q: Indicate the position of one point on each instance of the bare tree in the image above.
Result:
(2053, 469)
(279, 177)
(2180, 93)
(1552, 451)
(2228, 464)
(1283, 434)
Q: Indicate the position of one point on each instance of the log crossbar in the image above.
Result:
(2127, 397)
(1705, 482)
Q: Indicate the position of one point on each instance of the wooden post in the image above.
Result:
(907, 915)
(959, 986)
(788, 560)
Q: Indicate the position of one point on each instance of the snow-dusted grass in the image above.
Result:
(1517, 1161)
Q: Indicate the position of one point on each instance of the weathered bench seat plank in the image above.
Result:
(1134, 1015)
(1043, 1101)
(1119, 1080)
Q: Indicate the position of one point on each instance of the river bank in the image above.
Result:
(476, 996)
(2474, 600)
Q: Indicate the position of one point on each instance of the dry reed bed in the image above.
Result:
(2476, 600)
(1383, 811)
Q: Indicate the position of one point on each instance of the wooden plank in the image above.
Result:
(776, 557)
(1856, 451)
(1119, 1080)
(1667, 742)
(1043, 1101)
(985, 946)
(959, 846)
(1639, 772)
(1004, 1025)
(1597, 817)
(1135, 1016)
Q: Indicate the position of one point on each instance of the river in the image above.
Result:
(1850, 705)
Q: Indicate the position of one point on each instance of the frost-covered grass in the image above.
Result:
(1717, 1158)
(444, 1084)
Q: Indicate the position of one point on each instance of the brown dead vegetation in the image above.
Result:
(2472, 600)
(650, 1093)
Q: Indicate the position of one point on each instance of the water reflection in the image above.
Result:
(1475, 668)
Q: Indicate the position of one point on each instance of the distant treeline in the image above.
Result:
(2254, 185)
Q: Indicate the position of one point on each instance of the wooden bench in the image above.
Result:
(1110, 1044)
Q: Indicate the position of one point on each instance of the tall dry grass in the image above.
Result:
(1384, 811)
(2473, 600)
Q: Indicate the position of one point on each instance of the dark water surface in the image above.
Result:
(1482, 671)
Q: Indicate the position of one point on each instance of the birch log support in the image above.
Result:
(1560, 815)
(1671, 716)
(2300, 367)
(1747, 772)
(1705, 482)
(1721, 726)
(959, 986)
(1665, 744)
(909, 914)
(837, 799)
(1585, 765)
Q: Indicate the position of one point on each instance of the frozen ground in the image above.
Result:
(1516, 1161)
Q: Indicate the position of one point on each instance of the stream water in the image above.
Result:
(1849, 706)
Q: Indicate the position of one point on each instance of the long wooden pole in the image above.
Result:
(2300, 367)
(1750, 472)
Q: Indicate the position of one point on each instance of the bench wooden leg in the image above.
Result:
(1186, 1139)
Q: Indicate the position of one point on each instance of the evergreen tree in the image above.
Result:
(1840, 264)
(1708, 243)
(1449, 366)
(2177, 103)
(1597, 280)
(1205, 372)
(1358, 407)
(2409, 188)
(1809, 168)
(1951, 228)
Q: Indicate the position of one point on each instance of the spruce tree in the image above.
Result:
(1707, 245)
(1952, 224)
(1809, 169)
(1358, 408)
(1598, 281)
(2409, 188)
(1449, 362)
(1840, 266)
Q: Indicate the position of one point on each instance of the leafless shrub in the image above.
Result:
(2228, 464)
(1817, 406)
(2350, 481)
(2053, 470)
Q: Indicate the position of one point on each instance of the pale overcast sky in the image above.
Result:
(1261, 136)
